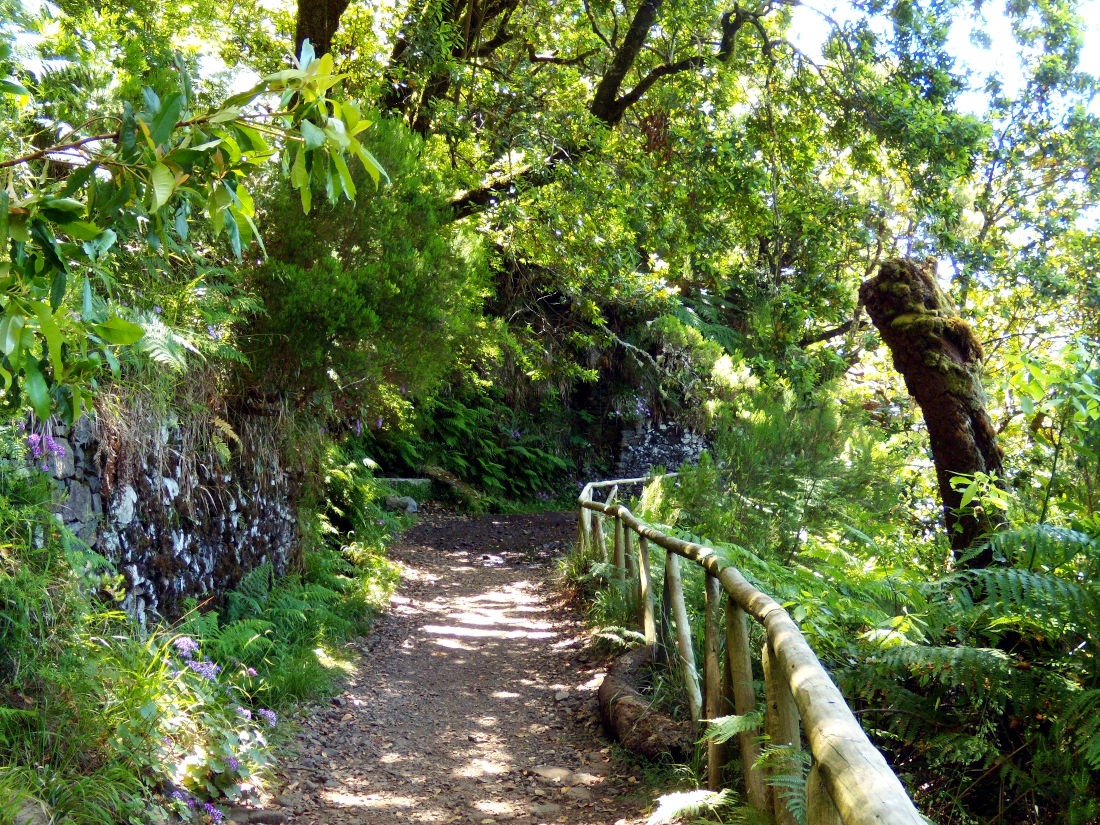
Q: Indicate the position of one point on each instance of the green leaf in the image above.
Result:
(346, 181)
(60, 210)
(233, 231)
(165, 121)
(58, 288)
(10, 87)
(163, 183)
(5, 201)
(969, 493)
(81, 230)
(98, 246)
(299, 177)
(308, 54)
(38, 391)
(10, 329)
(52, 333)
(87, 307)
(225, 115)
(314, 138)
(117, 331)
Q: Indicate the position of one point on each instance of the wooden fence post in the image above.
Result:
(649, 619)
(620, 553)
(663, 653)
(740, 690)
(597, 527)
(632, 571)
(683, 638)
(712, 669)
(820, 808)
(781, 725)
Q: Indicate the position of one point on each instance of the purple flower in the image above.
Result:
(206, 669)
(233, 763)
(269, 716)
(190, 803)
(34, 443)
(245, 712)
(157, 310)
(180, 795)
(53, 447)
(216, 816)
(251, 671)
(185, 645)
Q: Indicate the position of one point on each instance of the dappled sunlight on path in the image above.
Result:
(474, 701)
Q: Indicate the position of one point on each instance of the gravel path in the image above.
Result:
(474, 700)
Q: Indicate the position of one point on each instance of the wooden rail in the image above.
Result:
(849, 780)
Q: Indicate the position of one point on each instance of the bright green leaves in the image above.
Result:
(161, 184)
(118, 331)
(139, 193)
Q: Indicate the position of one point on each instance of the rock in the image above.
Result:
(31, 811)
(122, 510)
(552, 774)
(578, 793)
(78, 506)
(406, 503)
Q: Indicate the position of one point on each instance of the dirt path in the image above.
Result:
(475, 701)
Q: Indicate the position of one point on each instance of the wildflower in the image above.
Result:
(157, 310)
(233, 763)
(34, 443)
(269, 716)
(206, 669)
(180, 795)
(251, 671)
(245, 712)
(185, 645)
(216, 816)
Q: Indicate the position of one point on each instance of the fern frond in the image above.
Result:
(226, 429)
(674, 806)
(1042, 544)
(163, 344)
(1082, 722)
(724, 728)
(975, 670)
(1008, 591)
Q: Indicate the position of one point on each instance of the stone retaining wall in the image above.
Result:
(665, 445)
(175, 524)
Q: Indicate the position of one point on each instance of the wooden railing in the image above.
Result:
(849, 780)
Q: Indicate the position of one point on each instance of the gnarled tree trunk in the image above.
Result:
(936, 352)
(318, 21)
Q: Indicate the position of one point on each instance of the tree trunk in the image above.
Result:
(318, 21)
(939, 357)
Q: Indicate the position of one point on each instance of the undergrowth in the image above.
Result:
(103, 721)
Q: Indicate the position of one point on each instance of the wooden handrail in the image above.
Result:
(850, 781)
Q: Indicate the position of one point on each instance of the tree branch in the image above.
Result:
(604, 101)
(827, 334)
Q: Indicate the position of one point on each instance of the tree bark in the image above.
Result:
(939, 357)
(318, 21)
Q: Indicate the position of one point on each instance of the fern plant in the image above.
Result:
(1004, 692)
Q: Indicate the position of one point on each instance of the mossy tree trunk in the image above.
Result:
(939, 357)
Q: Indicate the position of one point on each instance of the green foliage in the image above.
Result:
(140, 187)
(476, 436)
(369, 309)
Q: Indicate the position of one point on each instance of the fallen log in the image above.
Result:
(630, 716)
